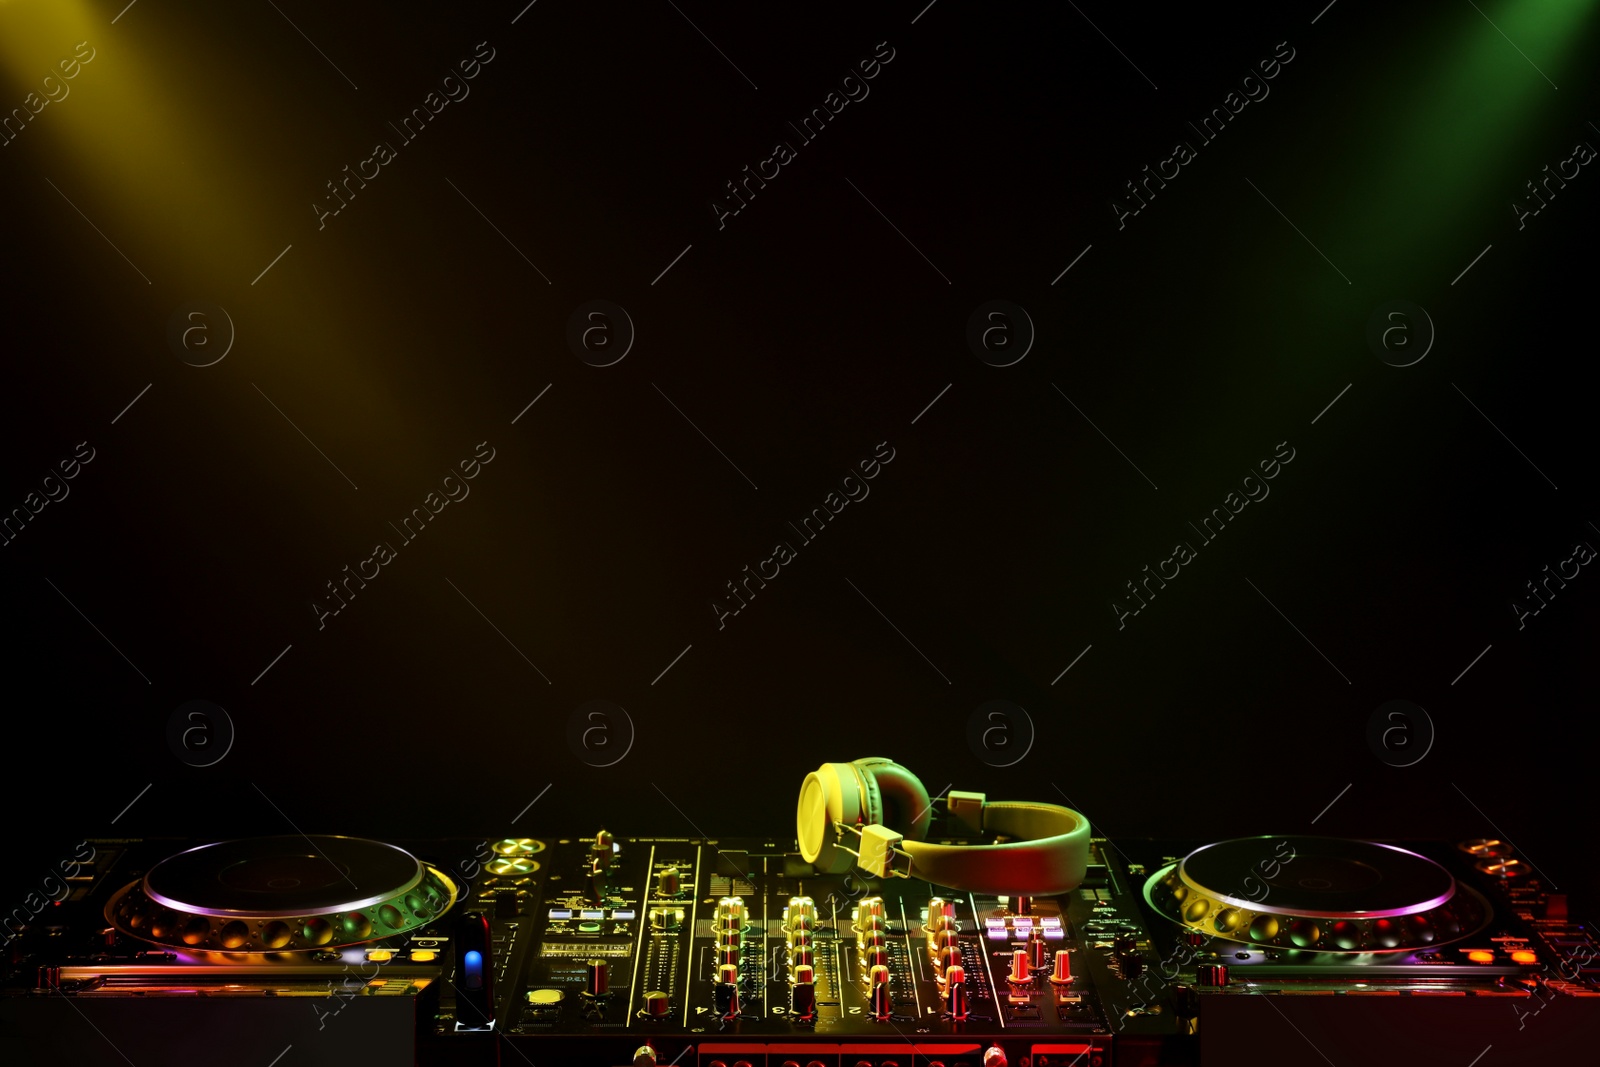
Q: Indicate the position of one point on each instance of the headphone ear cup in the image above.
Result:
(899, 799)
(871, 799)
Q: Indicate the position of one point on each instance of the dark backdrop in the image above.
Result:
(773, 354)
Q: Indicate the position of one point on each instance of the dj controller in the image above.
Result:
(712, 952)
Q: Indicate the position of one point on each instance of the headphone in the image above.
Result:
(1041, 849)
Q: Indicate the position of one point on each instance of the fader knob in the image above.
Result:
(644, 1056)
(597, 978)
(881, 1009)
(803, 998)
(956, 991)
(725, 994)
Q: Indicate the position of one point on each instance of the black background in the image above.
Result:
(796, 338)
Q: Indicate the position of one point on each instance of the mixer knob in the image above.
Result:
(994, 1056)
(1021, 969)
(1024, 906)
(803, 996)
(668, 883)
(1212, 974)
(870, 908)
(875, 957)
(956, 991)
(597, 978)
(1123, 944)
(657, 1005)
(937, 915)
(800, 957)
(881, 1009)
(948, 957)
(603, 842)
(725, 994)
(1194, 938)
(801, 908)
(1038, 951)
(644, 1056)
(1062, 973)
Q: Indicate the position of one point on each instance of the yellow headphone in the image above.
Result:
(1042, 849)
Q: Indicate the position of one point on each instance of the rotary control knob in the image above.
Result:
(657, 1005)
(879, 999)
(869, 909)
(803, 993)
(801, 956)
(1038, 951)
(941, 914)
(1213, 975)
(948, 957)
(1062, 972)
(955, 990)
(668, 884)
(644, 1056)
(994, 1056)
(802, 909)
(874, 958)
(597, 978)
(725, 994)
(730, 913)
(1021, 968)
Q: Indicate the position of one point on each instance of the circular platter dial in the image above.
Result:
(1316, 894)
(281, 894)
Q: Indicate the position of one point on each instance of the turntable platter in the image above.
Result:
(1318, 894)
(281, 894)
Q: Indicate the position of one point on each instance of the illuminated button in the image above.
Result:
(423, 955)
(1048, 921)
(1481, 955)
(517, 846)
(560, 913)
(623, 913)
(995, 922)
(589, 928)
(544, 998)
(592, 913)
(513, 865)
(1523, 955)
(380, 955)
